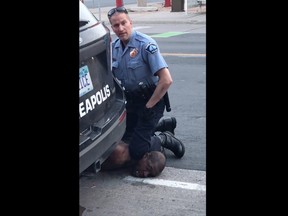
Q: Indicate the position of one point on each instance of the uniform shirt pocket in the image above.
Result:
(117, 72)
(115, 64)
(134, 64)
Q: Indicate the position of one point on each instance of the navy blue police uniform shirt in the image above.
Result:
(140, 58)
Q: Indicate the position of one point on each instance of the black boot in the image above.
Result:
(166, 124)
(172, 143)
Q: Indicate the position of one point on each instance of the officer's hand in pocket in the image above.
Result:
(148, 113)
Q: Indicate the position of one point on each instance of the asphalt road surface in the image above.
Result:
(180, 190)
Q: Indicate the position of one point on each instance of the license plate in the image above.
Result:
(85, 82)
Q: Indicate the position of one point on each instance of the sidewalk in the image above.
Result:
(156, 13)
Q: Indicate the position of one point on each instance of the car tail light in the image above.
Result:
(122, 117)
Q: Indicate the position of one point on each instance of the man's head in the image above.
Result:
(151, 165)
(121, 23)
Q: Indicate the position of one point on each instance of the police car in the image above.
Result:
(102, 113)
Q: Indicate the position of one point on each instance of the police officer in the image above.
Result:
(140, 69)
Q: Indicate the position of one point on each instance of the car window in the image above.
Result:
(86, 18)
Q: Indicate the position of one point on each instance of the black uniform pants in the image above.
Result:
(140, 128)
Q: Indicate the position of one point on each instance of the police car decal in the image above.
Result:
(151, 48)
(85, 82)
(96, 99)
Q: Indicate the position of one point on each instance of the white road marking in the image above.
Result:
(168, 183)
(184, 54)
(135, 28)
(141, 27)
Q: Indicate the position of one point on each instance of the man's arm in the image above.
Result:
(165, 80)
(119, 158)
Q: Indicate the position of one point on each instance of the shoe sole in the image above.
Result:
(182, 145)
(174, 123)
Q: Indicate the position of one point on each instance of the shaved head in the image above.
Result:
(151, 165)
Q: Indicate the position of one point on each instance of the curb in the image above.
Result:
(142, 9)
(158, 14)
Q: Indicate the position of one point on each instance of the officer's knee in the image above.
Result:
(117, 158)
(121, 154)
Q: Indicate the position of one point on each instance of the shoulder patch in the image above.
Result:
(151, 48)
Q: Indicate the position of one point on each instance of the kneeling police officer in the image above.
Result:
(143, 73)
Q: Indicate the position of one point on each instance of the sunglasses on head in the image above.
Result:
(117, 9)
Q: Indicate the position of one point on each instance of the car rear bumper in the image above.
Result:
(100, 148)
